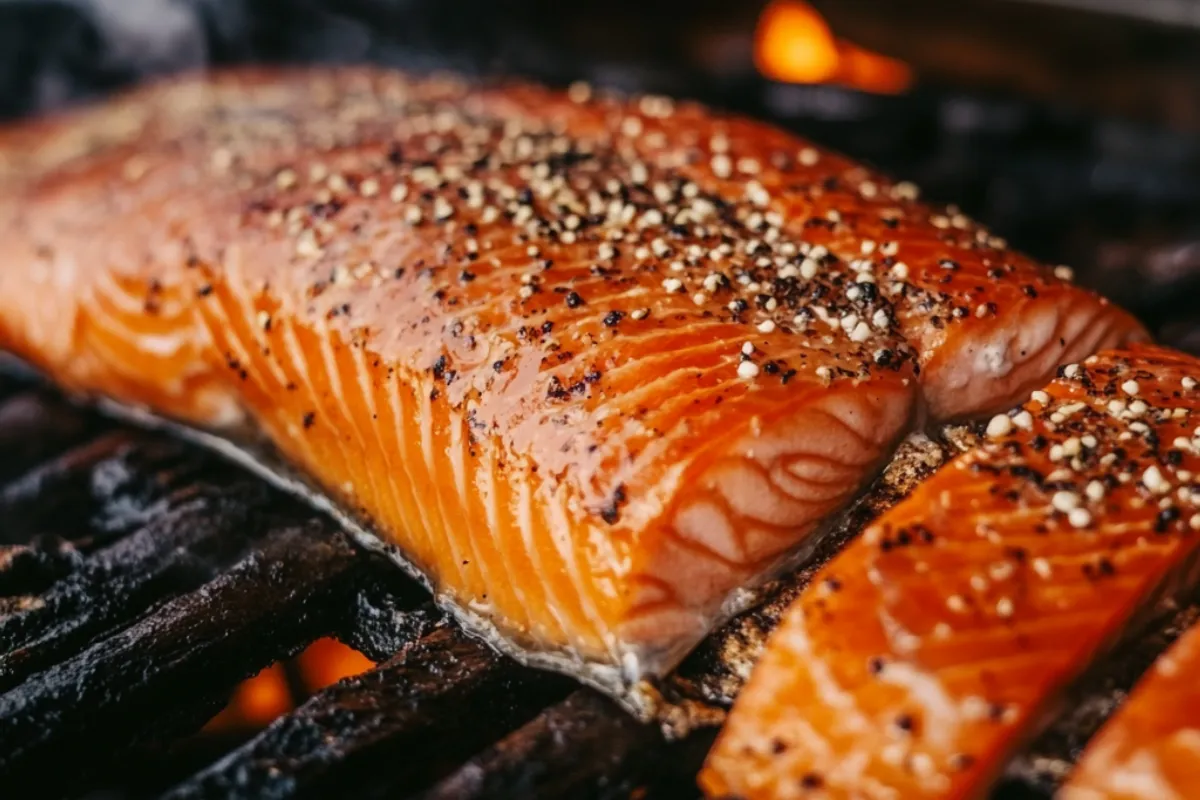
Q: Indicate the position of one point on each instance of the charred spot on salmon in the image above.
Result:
(613, 317)
(611, 511)
(309, 419)
(556, 391)
(962, 761)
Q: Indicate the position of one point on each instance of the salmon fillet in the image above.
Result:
(594, 365)
(1150, 749)
(923, 654)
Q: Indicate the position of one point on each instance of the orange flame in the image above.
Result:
(257, 701)
(327, 661)
(793, 44)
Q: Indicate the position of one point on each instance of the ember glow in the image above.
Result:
(255, 702)
(327, 661)
(793, 44)
(279, 688)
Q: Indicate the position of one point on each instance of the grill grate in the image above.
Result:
(579, 747)
(141, 579)
(359, 737)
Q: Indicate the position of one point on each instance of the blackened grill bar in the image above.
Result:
(443, 696)
(130, 611)
(582, 747)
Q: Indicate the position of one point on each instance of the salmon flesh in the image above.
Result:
(1150, 749)
(592, 366)
(924, 654)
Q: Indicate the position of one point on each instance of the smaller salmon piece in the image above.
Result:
(923, 655)
(1150, 750)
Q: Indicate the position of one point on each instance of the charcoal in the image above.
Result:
(385, 732)
(168, 672)
(583, 747)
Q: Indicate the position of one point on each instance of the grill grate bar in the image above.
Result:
(412, 719)
(102, 489)
(74, 503)
(188, 544)
(36, 425)
(168, 672)
(583, 747)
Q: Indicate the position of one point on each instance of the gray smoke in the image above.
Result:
(56, 51)
(148, 36)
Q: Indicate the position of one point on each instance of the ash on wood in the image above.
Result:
(372, 734)
(583, 747)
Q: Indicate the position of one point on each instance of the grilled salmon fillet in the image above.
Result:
(1150, 749)
(593, 365)
(921, 655)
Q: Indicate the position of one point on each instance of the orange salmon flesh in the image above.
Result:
(1150, 749)
(595, 365)
(925, 653)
